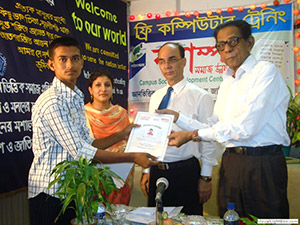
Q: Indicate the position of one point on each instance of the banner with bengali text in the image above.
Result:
(26, 27)
(272, 28)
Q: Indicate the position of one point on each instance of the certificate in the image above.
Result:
(152, 135)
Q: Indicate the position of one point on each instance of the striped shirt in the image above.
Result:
(59, 133)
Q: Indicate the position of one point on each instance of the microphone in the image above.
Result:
(162, 184)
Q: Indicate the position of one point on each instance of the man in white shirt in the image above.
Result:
(249, 119)
(180, 166)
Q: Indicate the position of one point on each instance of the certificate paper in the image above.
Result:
(152, 135)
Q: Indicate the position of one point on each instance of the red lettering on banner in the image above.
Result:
(155, 51)
(205, 50)
(204, 69)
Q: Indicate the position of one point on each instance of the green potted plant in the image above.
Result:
(293, 122)
(85, 184)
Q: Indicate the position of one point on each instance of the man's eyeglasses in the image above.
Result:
(232, 42)
(171, 61)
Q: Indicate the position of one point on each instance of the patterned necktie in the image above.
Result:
(164, 102)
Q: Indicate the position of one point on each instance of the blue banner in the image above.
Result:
(26, 27)
(182, 27)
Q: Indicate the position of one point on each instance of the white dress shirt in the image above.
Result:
(59, 133)
(194, 103)
(250, 109)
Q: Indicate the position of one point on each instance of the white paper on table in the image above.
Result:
(152, 136)
(146, 215)
(121, 169)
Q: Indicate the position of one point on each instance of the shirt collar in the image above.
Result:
(65, 90)
(246, 67)
(179, 86)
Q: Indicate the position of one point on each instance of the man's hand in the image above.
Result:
(145, 179)
(204, 190)
(126, 131)
(179, 138)
(145, 160)
(168, 111)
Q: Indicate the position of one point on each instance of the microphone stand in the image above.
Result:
(159, 212)
(162, 184)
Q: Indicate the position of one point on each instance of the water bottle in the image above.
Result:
(101, 214)
(231, 217)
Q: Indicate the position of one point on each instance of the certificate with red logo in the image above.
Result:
(152, 135)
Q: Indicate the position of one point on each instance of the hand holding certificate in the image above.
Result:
(152, 135)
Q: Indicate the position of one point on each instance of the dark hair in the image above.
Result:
(179, 46)
(100, 73)
(62, 41)
(243, 26)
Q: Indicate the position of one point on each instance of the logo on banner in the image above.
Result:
(3, 64)
(137, 58)
(50, 2)
(86, 74)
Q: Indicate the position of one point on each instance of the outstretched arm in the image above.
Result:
(168, 111)
(179, 138)
(145, 160)
(103, 143)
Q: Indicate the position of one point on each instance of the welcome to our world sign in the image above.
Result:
(26, 27)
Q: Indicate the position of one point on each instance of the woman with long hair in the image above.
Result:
(104, 119)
